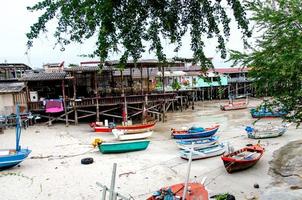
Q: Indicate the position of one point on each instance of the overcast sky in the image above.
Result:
(15, 22)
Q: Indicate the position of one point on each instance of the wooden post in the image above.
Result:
(164, 111)
(112, 182)
(148, 77)
(163, 77)
(236, 89)
(122, 82)
(131, 80)
(97, 97)
(142, 88)
(74, 98)
(64, 102)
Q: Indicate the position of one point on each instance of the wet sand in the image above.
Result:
(60, 175)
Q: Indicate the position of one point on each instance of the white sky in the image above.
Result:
(15, 21)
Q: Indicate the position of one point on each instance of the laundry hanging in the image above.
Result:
(54, 106)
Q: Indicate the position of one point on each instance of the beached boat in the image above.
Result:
(197, 191)
(212, 151)
(199, 143)
(234, 106)
(137, 128)
(121, 135)
(12, 157)
(122, 147)
(194, 132)
(263, 113)
(265, 132)
(243, 158)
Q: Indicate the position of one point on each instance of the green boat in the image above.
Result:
(122, 147)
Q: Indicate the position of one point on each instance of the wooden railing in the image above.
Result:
(103, 101)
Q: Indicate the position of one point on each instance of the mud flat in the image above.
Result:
(286, 169)
(54, 171)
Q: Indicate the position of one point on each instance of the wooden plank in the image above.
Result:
(86, 111)
(84, 116)
(111, 115)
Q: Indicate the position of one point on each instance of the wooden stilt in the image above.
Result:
(97, 95)
(64, 102)
(164, 111)
(75, 97)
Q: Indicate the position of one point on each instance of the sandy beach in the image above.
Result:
(53, 169)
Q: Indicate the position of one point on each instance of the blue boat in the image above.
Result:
(198, 143)
(264, 112)
(194, 132)
(12, 157)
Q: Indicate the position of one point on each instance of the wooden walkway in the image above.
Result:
(155, 105)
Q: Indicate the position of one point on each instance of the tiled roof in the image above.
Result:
(15, 65)
(11, 87)
(231, 70)
(82, 68)
(136, 73)
(42, 76)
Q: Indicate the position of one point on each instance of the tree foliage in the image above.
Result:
(277, 57)
(125, 25)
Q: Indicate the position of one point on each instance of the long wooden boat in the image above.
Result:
(12, 157)
(122, 147)
(197, 191)
(199, 143)
(266, 132)
(265, 113)
(194, 133)
(234, 106)
(137, 128)
(243, 158)
(212, 151)
(120, 135)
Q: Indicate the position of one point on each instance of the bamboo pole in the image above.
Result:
(188, 173)
(112, 182)
(64, 102)
(97, 95)
(74, 98)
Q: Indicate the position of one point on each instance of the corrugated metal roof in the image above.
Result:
(15, 65)
(42, 76)
(231, 70)
(82, 69)
(11, 87)
(136, 73)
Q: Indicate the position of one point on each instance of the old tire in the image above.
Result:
(86, 161)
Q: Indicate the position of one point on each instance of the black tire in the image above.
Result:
(86, 161)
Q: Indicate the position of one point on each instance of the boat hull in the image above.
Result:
(197, 192)
(233, 164)
(234, 106)
(209, 152)
(265, 135)
(138, 128)
(268, 114)
(187, 135)
(123, 137)
(13, 159)
(122, 147)
(198, 143)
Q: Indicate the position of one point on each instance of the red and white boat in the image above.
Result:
(243, 158)
(234, 106)
(195, 191)
(136, 128)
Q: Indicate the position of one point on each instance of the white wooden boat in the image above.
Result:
(269, 131)
(208, 152)
(199, 143)
(121, 135)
